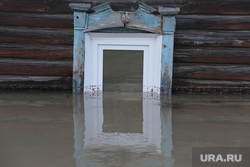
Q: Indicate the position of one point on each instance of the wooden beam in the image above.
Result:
(194, 83)
(212, 55)
(35, 67)
(65, 21)
(210, 86)
(48, 52)
(62, 21)
(212, 22)
(187, 6)
(211, 71)
(48, 6)
(215, 7)
(35, 82)
(212, 38)
(35, 36)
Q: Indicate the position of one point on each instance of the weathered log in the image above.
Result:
(187, 6)
(212, 38)
(35, 82)
(212, 71)
(212, 55)
(210, 86)
(35, 36)
(35, 67)
(35, 6)
(215, 7)
(214, 22)
(49, 52)
(182, 38)
(63, 21)
(193, 83)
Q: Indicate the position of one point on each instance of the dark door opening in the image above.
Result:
(123, 70)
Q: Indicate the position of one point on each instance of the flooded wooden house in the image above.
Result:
(211, 42)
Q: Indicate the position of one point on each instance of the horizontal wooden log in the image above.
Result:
(210, 86)
(214, 22)
(35, 36)
(48, 6)
(187, 6)
(62, 21)
(35, 67)
(182, 37)
(35, 82)
(212, 38)
(193, 83)
(211, 71)
(212, 55)
(50, 52)
(215, 7)
(65, 21)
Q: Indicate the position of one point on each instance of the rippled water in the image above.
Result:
(117, 129)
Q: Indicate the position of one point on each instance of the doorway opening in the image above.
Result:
(123, 70)
(135, 47)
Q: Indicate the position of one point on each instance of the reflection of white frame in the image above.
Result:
(95, 43)
(95, 137)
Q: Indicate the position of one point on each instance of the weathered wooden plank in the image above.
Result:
(63, 21)
(35, 36)
(35, 67)
(210, 86)
(49, 52)
(214, 22)
(216, 7)
(212, 38)
(182, 38)
(212, 71)
(35, 6)
(187, 6)
(194, 83)
(35, 82)
(212, 55)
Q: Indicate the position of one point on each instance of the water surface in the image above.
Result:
(55, 129)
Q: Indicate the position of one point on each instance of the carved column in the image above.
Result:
(168, 29)
(80, 24)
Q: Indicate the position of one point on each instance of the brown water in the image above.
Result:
(117, 129)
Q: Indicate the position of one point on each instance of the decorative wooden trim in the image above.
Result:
(145, 18)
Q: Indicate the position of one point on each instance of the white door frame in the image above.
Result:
(96, 43)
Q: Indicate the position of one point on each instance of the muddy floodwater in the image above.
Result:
(53, 129)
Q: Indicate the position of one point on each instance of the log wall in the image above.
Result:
(212, 44)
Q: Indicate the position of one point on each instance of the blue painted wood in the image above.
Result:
(120, 30)
(146, 8)
(167, 54)
(101, 8)
(80, 23)
(167, 138)
(79, 51)
(142, 20)
(83, 7)
(104, 19)
(169, 24)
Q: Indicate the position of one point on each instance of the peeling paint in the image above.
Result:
(167, 62)
(196, 42)
(143, 19)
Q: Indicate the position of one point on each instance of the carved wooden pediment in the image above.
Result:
(144, 18)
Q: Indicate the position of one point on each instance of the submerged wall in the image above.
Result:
(212, 44)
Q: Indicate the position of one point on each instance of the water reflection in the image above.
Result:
(122, 129)
(37, 128)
